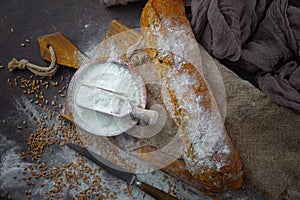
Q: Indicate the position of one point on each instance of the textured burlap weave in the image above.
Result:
(266, 135)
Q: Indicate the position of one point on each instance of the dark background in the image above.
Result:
(84, 23)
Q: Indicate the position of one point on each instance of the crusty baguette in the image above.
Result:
(210, 161)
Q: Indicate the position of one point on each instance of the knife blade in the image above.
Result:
(129, 177)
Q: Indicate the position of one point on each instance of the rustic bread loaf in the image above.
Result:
(210, 162)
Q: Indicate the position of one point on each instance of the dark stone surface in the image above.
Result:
(83, 22)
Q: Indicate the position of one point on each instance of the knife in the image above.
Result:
(128, 177)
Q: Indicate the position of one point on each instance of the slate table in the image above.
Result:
(83, 22)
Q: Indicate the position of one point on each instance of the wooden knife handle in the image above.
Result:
(155, 192)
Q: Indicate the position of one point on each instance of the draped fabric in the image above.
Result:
(259, 36)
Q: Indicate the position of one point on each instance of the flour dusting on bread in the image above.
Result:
(209, 154)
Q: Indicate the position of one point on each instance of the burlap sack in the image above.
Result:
(267, 137)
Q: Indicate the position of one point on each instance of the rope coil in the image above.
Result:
(36, 69)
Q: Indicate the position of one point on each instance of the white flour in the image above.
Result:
(112, 77)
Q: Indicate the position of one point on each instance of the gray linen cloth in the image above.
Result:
(259, 36)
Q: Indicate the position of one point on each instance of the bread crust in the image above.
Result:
(220, 168)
